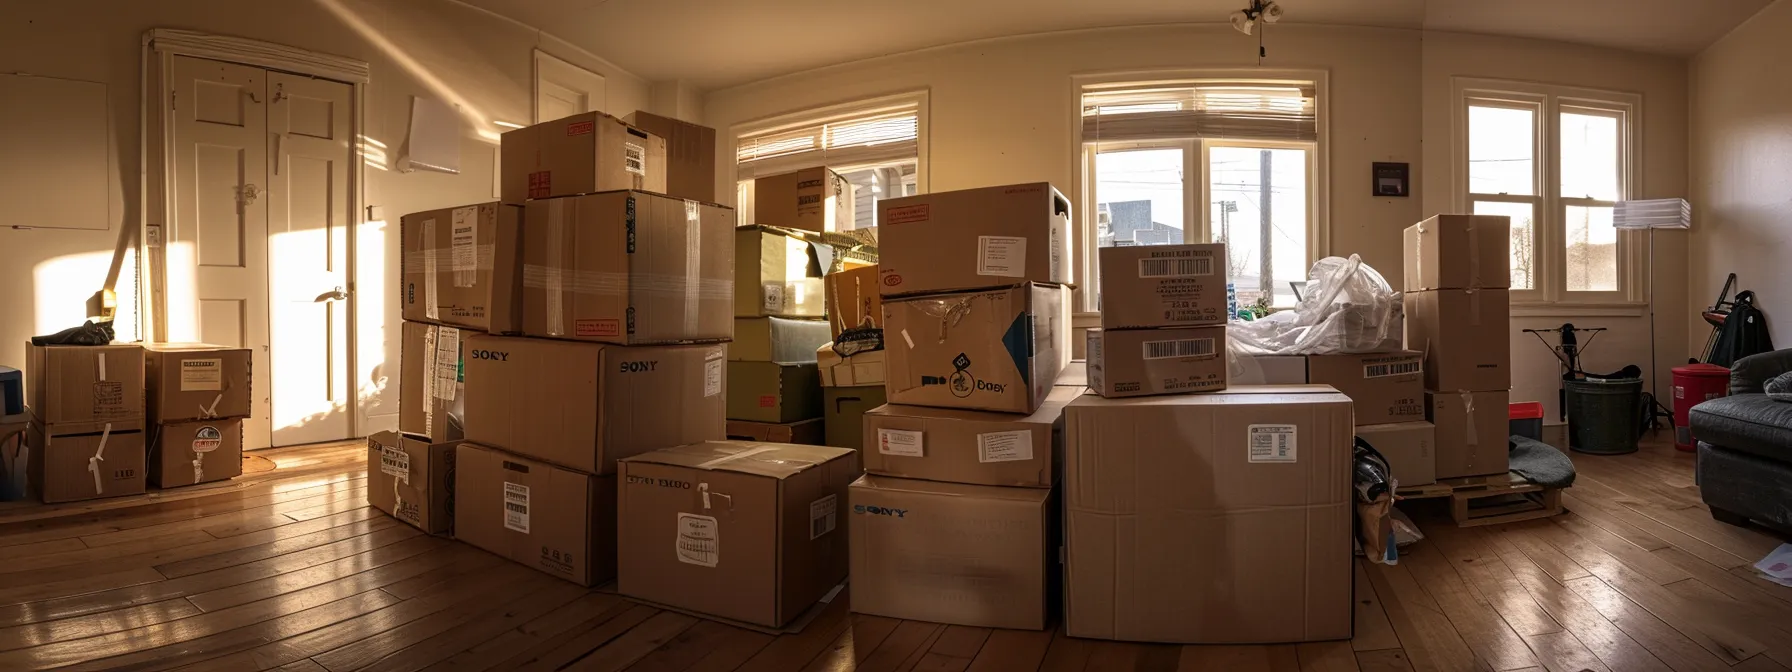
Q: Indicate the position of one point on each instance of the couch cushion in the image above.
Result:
(1750, 423)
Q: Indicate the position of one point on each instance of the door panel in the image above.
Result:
(563, 89)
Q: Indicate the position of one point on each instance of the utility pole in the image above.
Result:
(1265, 279)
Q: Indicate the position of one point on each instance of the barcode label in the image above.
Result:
(1175, 268)
(1385, 370)
(516, 507)
(822, 516)
(396, 463)
(1190, 347)
(634, 158)
(699, 540)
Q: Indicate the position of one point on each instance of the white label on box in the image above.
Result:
(1187, 347)
(201, 374)
(447, 362)
(395, 463)
(634, 158)
(1175, 268)
(463, 245)
(1057, 247)
(516, 507)
(899, 442)
(1387, 370)
(822, 518)
(1005, 446)
(712, 377)
(430, 305)
(1272, 443)
(699, 540)
(1004, 256)
(774, 298)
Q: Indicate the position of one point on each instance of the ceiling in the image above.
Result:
(718, 43)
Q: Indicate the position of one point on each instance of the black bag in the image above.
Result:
(1744, 332)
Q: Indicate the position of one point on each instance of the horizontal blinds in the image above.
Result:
(1219, 110)
(868, 137)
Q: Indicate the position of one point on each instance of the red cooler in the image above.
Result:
(1695, 384)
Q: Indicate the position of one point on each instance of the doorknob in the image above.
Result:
(333, 295)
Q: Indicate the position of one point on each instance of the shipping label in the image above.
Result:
(1272, 443)
(1016, 446)
(205, 375)
(900, 442)
(699, 540)
(516, 507)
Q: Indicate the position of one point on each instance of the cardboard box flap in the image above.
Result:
(772, 460)
(1036, 496)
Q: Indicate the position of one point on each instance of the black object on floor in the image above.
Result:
(91, 333)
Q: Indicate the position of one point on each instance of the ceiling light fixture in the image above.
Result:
(1246, 20)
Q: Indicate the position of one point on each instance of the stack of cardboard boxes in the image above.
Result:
(1458, 313)
(852, 363)
(87, 424)
(197, 396)
(1163, 321)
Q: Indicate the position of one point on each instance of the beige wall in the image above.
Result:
(427, 48)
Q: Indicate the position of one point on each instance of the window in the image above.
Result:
(877, 145)
(1556, 160)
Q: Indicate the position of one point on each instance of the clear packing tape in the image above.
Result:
(1347, 307)
(557, 282)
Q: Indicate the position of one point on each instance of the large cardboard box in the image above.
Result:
(853, 299)
(195, 451)
(556, 520)
(75, 384)
(1410, 448)
(741, 530)
(776, 275)
(88, 462)
(1219, 518)
(1472, 432)
(580, 154)
(583, 406)
(1137, 362)
(1271, 370)
(463, 266)
(627, 267)
(195, 381)
(857, 369)
(953, 241)
(1459, 252)
(690, 154)
(971, 555)
(1146, 286)
(775, 339)
(806, 432)
(1387, 387)
(813, 199)
(974, 447)
(1466, 336)
(773, 392)
(432, 396)
(843, 413)
(995, 350)
(412, 480)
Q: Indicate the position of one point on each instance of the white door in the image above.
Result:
(563, 89)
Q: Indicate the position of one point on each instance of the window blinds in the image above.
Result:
(1217, 110)
(865, 137)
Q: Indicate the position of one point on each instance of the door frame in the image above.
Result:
(160, 46)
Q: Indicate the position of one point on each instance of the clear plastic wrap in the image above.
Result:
(1347, 307)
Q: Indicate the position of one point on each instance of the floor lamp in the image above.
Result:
(1664, 213)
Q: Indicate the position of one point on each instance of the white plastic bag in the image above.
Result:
(1347, 307)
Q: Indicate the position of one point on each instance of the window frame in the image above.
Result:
(832, 113)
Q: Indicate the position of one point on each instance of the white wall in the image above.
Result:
(431, 48)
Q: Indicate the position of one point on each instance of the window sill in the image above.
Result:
(1571, 309)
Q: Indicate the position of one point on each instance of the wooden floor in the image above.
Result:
(289, 569)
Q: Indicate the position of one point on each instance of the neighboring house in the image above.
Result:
(1129, 223)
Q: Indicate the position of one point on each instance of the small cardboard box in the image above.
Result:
(805, 432)
(690, 154)
(1076, 374)
(1387, 387)
(775, 339)
(813, 199)
(196, 451)
(463, 266)
(953, 241)
(432, 392)
(76, 384)
(853, 299)
(744, 531)
(843, 413)
(773, 392)
(776, 275)
(996, 350)
(412, 480)
(1272, 370)
(195, 381)
(1466, 336)
(970, 555)
(583, 406)
(87, 463)
(1459, 252)
(860, 368)
(580, 154)
(1209, 518)
(627, 267)
(559, 521)
(1137, 362)
(1473, 431)
(1146, 286)
(974, 447)
(1410, 448)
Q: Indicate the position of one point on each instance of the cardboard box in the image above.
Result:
(1076, 374)
(741, 530)
(996, 350)
(412, 480)
(843, 413)
(773, 392)
(813, 199)
(954, 241)
(806, 432)
(87, 463)
(776, 275)
(76, 385)
(1410, 448)
(196, 451)
(559, 521)
(690, 154)
(853, 299)
(970, 555)
(195, 381)
(858, 369)
(463, 266)
(1137, 362)
(1219, 518)
(1466, 336)
(580, 154)
(776, 339)
(1386, 387)
(1473, 431)
(973, 447)
(1147, 286)
(627, 267)
(1459, 252)
(1272, 370)
(432, 392)
(584, 406)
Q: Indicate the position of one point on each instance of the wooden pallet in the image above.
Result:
(1490, 500)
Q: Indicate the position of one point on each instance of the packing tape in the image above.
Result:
(485, 258)
(737, 456)
(552, 283)
(1418, 260)
(703, 491)
(949, 312)
(198, 467)
(210, 412)
(464, 252)
(99, 455)
(693, 262)
(1474, 256)
(427, 400)
(612, 283)
(429, 272)
(1474, 307)
(1468, 408)
(102, 365)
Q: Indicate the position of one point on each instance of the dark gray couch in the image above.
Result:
(1745, 446)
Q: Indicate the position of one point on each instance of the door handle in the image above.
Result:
(333, 295)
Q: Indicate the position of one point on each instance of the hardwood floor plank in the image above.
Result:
(1617, 649)
(1112, 657)
(534, 633)
(221, 553)
(37, 564)
(45, 547)
(408, 544)
(1243, 658)
(635, 644)
(1326, 657)
(1760, 595)
(702, 640)
(35, 634)
(906, 640)
(575, 645)
(1163, 658)
(1479, 626)
(1613, 524)
(1371, 620)
(403, 647)
(1066, 653)
(82, 518)
(1545, 556)
(46, 588)
(1743, 618)
(1012, 650)
(855, 644)
(1489, 580)
(1664, 641)
(1612, 506)
(230, 515)
(1636, 559)
(1383, 660)
(1426, 635)
(957, 646)
(1562, 652)
(793, 652)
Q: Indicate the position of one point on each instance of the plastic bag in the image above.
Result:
(1348, 307)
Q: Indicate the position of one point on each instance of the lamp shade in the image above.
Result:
(1662, 213)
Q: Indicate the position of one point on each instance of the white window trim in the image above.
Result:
(810, 116)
